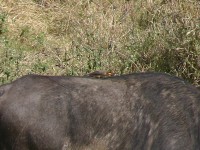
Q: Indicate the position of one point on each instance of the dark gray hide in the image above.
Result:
(144, 111)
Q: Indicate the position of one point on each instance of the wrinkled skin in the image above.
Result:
(144, 111)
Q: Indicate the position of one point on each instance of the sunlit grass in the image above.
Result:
(68, 37)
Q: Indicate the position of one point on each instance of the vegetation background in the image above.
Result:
(70, 37)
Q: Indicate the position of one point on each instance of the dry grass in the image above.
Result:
(67, 37)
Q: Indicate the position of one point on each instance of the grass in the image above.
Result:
(66, 37)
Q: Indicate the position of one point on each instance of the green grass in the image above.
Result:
(66, 37)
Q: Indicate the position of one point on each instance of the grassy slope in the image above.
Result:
(68, 37)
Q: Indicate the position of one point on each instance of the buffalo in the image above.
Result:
(140, 111)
